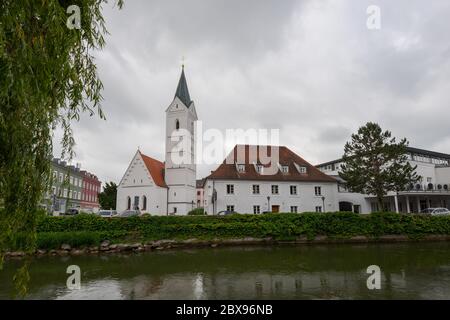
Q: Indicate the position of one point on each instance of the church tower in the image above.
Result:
(180, 167)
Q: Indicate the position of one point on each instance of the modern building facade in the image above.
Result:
(433, 189)
(245, 184)
(168, 187)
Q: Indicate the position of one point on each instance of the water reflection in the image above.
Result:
(418, 271)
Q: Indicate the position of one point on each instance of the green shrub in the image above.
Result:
(90, 229)
(54, 240)
(197, 212)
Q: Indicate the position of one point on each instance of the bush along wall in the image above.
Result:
(87, 230)
(90, 230)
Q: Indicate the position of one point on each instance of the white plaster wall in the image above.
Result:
(156, 198)
(137, 181)
(180, 178)
(243, 199)
(443, 175)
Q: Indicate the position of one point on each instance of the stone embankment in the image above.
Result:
(106, 247)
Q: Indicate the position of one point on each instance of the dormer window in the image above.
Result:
(301, 169)
(259, 168)
(241, 168)
(285, 169)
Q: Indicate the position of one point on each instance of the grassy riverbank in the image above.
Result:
(89, 230)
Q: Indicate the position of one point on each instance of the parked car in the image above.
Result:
(107, 213)
(129, 213)
(436, 211)
(72, 212)
(225, 213)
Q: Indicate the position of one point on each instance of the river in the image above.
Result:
(408, 271)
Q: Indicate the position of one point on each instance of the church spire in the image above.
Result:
(182, 90)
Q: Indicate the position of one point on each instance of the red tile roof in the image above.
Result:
(156, 169)
(228, 170)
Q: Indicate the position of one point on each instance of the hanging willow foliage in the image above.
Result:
(48, 77)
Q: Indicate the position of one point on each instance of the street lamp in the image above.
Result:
(268, 204)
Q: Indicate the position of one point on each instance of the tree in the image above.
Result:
(373, 163)
(48, 78)
(108, 197)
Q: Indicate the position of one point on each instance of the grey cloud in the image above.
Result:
(310, 68)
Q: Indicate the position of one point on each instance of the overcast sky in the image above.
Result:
(309, 68)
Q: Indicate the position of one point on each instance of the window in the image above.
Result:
(256, 209)
(198, 193)
(293, 190)
(285, 169)
(174, 209)
(54, 190)
(177, 124)
(61, 177)
(256, 189)
(241, 167)
(318, 191)
(294, 209)
(318, 208)
(144, 203)
(259, 169)
(230, 208)
(136, 203)
(429, 179)
(274, 189)
(128, 203)
(230, 188)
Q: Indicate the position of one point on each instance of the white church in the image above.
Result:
(168, 187)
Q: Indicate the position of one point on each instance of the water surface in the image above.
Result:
(409, 271)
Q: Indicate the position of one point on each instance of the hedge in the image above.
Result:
(87, 230)
(281, 225)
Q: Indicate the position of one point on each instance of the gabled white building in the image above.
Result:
(433, 189)
(143, 187)
(243, 183)
(167, 187)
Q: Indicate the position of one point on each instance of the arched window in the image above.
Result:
(144, 203)
(177, 124)
(128, 203)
